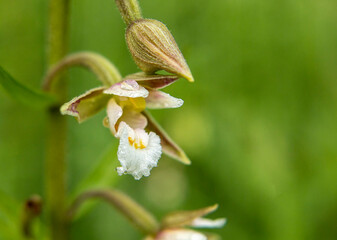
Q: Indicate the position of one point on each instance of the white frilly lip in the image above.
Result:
(138, 151)
(127, 88)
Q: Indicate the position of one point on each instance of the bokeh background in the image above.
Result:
(259, 123)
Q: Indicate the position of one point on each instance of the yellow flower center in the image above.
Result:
(137, 104)
(139, 145)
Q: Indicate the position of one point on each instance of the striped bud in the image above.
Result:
(154, 48)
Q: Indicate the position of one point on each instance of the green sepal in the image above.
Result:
(185, 218)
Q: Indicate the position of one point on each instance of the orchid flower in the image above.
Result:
(174, 226)
(141, 139)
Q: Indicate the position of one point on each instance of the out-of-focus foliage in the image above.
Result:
(259, 124)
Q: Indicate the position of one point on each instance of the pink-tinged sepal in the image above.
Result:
(155, 81)
(86, 105)
(170, 148)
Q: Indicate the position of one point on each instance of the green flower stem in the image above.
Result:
(55, 149)
(140, 217)
(106, 72)
(130, 10)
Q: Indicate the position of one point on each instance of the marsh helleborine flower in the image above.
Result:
(174, 226)
(139, 150)
(153, 48)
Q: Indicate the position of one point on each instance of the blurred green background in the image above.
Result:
(259, 123)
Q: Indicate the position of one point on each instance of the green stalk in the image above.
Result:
(136, 214)
(55, 149)
(130, 10)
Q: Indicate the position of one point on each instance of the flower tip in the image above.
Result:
(221, 222)
(184, 159)
(67, 110)
(188, 76)
(212, 208)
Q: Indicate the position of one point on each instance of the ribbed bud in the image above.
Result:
(154, 48)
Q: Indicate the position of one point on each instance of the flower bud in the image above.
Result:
(154, 48)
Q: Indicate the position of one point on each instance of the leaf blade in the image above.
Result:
(22, 93)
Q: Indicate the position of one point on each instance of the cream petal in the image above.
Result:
(138, 152)
(180, 234)
(169, 146)
(127, 88)
(158, 99)
(114, 112)
(208, 223)
(86, 105)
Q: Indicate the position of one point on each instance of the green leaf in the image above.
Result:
(102, 176)
(23, 94)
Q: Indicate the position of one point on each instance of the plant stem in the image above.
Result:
(130, 10)
(105, 71)
(55, 150)
(138, 215)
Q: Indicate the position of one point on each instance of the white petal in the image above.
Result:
(138, 152)
(180, 234)
(127, 88)
(114, 112)
(208, 223)
(158, 99)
